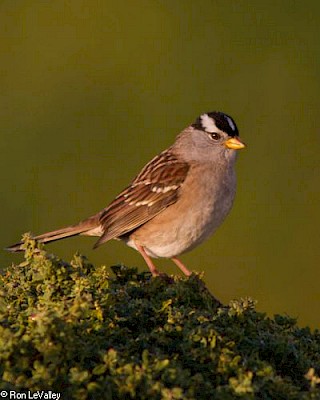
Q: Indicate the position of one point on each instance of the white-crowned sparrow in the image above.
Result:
(177, 201)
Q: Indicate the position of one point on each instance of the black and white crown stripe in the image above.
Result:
(209, 122)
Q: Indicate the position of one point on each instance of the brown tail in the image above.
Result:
(62, 233)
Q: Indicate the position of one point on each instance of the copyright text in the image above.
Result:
(39, 395)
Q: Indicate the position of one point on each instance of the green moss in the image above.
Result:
(76, 329)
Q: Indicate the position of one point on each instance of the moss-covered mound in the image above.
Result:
(74, 329)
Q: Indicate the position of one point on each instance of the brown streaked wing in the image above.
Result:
(155, 188)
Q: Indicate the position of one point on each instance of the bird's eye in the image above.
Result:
(215, 136)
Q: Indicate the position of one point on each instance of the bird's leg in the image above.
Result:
(180, 265)
(148, 260)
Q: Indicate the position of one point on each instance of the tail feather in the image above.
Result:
(58, 234)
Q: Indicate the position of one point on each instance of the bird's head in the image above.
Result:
(212, 136)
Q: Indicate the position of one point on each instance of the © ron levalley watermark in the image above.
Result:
(28, 395)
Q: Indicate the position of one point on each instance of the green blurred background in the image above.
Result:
(91, 90)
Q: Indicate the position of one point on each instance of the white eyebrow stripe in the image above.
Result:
(230, 122)
(208, 123)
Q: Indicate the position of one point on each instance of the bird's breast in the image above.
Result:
(204, 201)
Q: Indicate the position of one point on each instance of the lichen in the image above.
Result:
(89, 333)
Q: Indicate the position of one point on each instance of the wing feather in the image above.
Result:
(155, 188)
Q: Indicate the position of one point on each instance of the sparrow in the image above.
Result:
(176, 202)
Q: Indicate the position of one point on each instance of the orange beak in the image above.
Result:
(234, 143)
